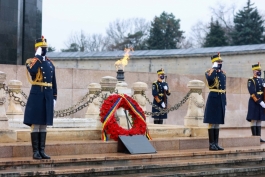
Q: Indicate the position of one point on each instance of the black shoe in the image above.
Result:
(216, 139)
(35, 145)
(42, 145)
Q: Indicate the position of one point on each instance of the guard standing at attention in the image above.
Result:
(216, 102)
(256, 105)
(42, 97)
(160, 91)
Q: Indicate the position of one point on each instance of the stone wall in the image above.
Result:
(73, 83)
(235, 64)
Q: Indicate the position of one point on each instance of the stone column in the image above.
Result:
(14, 109)
(122, 87)
(195, 113)
(3, 117)
(93, 108)
(107, 83)
(138, 88)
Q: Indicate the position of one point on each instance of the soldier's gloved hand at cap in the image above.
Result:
(54, 103)
(165, 87)
(262, 104)
(163, 105)
(215, 65)
(38, 51)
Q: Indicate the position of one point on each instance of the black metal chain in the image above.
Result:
(175, 107)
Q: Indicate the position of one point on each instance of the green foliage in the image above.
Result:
(73, 48)
(249, 26)
(165, 32)
(216, 36)
(136, 41)
(51, 49)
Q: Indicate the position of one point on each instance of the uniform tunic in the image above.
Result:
(255, 110)
(159, 96)
(216, 101)
(39, 107)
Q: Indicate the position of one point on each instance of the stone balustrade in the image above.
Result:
(14, 115)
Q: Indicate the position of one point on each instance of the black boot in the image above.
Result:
(212, 146)
(216, 138)
(42, 145)
(156, 121)
(160, 121)
(254, 130)
(258, 133)
(35, 145)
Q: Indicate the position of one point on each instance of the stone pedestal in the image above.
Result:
(93, 108)
(14, 109)
(138, 88)
(3, 117)
(122, 87)
(195, 113)
(108, 83)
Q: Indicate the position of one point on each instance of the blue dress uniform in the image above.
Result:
(216, 102)
(160, 95)
(43, 92)
(255, 88)
(256, 111)
(39, 108)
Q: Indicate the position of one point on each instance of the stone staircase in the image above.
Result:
(183, 156)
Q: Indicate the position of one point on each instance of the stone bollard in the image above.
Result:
(138, 88)
(93, 108)
(195, 113)
(108, 83)
(122, 87)
(3, 117)
(14, 109)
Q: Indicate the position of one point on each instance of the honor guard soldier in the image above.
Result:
(42, 97)
(160, 91)
(256, 103)
(216, 102)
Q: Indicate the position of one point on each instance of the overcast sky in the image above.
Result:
(61, 18)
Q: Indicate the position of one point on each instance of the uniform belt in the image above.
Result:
(259, 93)
(42, 84)
(161, 94)
(217, 90)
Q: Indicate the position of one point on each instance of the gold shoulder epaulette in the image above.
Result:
(31, 61)
(209, 71)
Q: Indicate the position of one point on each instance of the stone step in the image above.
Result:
(79, 134)
(58, 148)
(197, 162)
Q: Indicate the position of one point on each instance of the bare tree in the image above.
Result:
(79, 39)
(223, 14)
(119, 30)
(198, 34)
(97, 42)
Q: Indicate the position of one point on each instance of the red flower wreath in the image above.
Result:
(110, 125)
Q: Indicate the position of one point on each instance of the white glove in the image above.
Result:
(262, 104)
(38, 51)
(263, 84)
(163, 105)
(54, 103)
(215, 65)
(165, 87)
